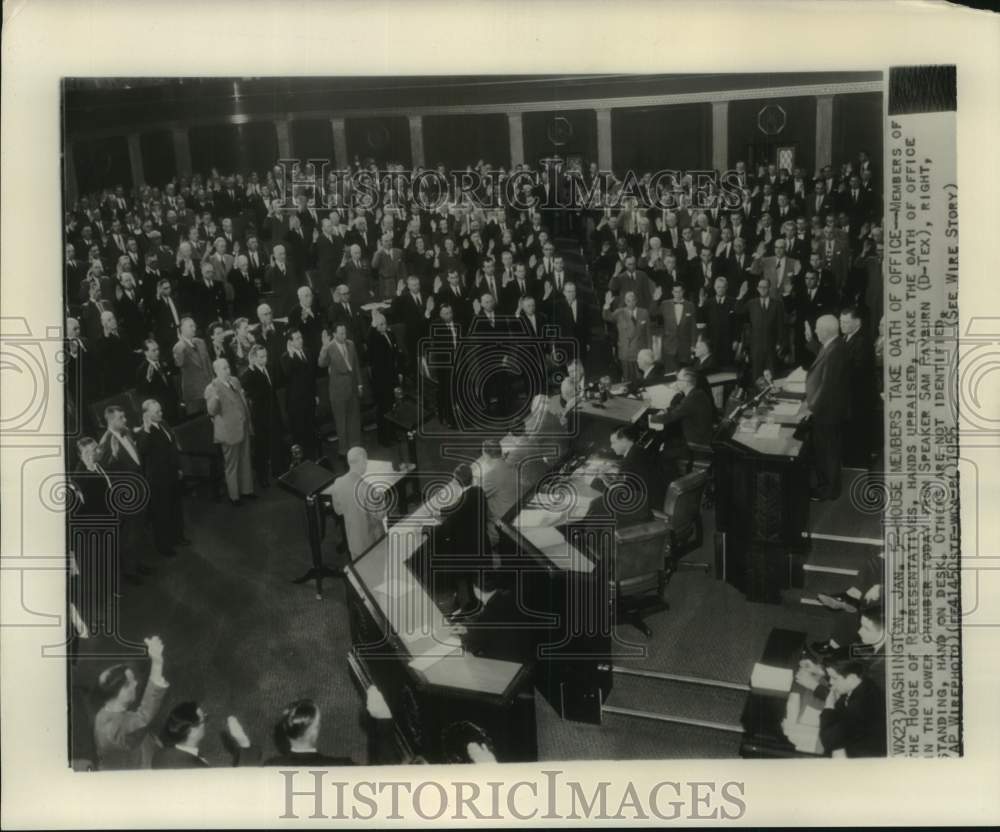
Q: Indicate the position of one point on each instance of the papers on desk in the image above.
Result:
(379, 466)
(786, 409)
(556, 548)
(533, 518)
(769, 430)
(766, 677)
(428, 660)
(795, 381)
(802, 729)
(393, 588)
(542, 537)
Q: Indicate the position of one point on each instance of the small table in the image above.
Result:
(765, 710)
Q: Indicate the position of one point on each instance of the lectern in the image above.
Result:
(762, 504)
(307, 481)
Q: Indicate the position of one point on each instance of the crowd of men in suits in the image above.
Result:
(212, 295)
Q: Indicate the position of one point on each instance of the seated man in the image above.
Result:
(852, 723)
(867, 647)
(650, 372)
(491, 630)
(630, 497)
(688, 420)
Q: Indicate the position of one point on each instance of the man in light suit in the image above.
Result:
(346, 386)
(191, 358)
(499, 483)
(779, 269)
(633, 332)
(826, 397)
(361, 506)
(231, 426)
(680, 329)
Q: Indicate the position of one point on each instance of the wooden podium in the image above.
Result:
(762, 507)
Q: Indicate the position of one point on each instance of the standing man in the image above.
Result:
(152, 382)
(299, 376)
(260, 392)
(359, 504)
(633, 332)
(120, 455)
(826, 397)
(346, 386)
(680, 329)
(121, 734)
(385, 363)
(227, 405)
(161, 464)
(861, 386)
(444, 346)
(719, 316)
(191, 358)
(765, 328)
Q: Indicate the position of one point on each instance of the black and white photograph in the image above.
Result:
(548, 415)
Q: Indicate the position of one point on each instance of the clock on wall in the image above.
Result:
(560, 131)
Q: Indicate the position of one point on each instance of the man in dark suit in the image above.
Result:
(385, 365)
(305, 317)
(183, 733)
(765, 328)
(462, 534)
(574, 320)
(259, 386)
(809, 303)
(208, 298)
(489, 330)
(356, 273)
(245, 293)
(164, 316)
(819, 203)
(861, 390)
(852, 723)
(523, 285)
(342, 309)
(281, 277)
(153, 381)
(491, 629)
(119, 453)
(532, 332)
(412, 310)
(114, 357)
(687, 421)
(443, 350)
(130, 312)
(650, 372)
(271, 336)
(640, 479)
(454, 295)
(719, 316)
(329, 249)
(299, 376)
(826, 397)
(679, 329)
(161, 465)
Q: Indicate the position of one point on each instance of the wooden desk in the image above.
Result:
(402, 641)
(618, 409)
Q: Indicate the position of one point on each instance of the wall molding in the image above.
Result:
(521, 107)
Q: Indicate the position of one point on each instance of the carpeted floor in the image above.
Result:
(242, 639)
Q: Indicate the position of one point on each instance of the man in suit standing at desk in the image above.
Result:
(359, 504)
(765, 328)
(462, 533)
(227, 405)
(826, 397)
(632, 323)
(499, 483)
(346, 386)
(385, 362)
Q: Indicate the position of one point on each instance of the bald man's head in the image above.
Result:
(827, 328)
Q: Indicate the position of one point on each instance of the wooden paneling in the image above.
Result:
(312, 139)
(662, 138)
(748, 143)
(858, 125)
(102, 163)
(158, 162)
(461, 140)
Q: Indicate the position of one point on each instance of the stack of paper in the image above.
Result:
(766, 677)
(786, 409)
(769, 430)
(532, 518)
(795, 381)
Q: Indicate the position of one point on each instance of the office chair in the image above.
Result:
(700, 459)
(682, 515)
(639, 572)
